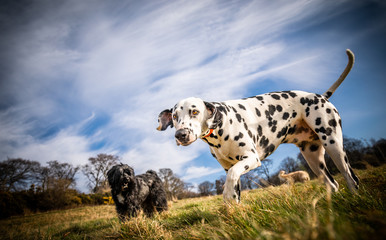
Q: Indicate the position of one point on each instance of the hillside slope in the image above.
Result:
(300, 211)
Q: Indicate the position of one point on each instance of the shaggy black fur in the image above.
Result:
(132, 193)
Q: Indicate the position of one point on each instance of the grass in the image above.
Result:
(300, 211)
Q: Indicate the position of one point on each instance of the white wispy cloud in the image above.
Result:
(198, 172)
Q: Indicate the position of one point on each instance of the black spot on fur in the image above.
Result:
(273, 129)
(307, 111)
(238, 116)
(314, 147)
(328, 110)
(285, 96)
(241, 144)
(270, 149)
(294, 114)
(236, 138)
(277, 97)
(259, 98)
(302, 145)
(242, 107)
(292, 94)
(291, 130)
(249, 133)
(258, 112)
(271, 109)
(328, 131)
(246, 167)
(282, 132)
(322, 130)
(264, 142)
(332, 123)
(222, 109)
(230, 121)
(318, 121)
(260, 130)
(220, 132)
(332, 141)
(279, 108)
(226, 138)
(285, 116)
(328, 94)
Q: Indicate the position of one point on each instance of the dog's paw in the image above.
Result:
(230, 195)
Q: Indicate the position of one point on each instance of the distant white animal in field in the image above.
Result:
(298, 176)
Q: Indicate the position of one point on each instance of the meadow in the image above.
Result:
(300, 211)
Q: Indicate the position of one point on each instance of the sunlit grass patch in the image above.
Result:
(300, 211)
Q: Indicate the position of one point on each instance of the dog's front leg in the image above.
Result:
(232, 184)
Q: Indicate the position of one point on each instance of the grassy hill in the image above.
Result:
(300, 211)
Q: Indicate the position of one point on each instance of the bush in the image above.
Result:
(11, 204)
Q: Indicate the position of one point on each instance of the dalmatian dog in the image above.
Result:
(241, 133)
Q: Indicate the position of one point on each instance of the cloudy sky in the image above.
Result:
(78, 78)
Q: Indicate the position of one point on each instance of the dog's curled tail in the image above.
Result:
(348, 68)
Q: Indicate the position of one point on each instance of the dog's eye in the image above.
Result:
(174, 116)
(195, 112)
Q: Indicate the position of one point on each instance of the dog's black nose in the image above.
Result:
(182, 135)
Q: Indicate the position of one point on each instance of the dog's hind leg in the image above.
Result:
(313, 153)
(329, 131)
(335, 150)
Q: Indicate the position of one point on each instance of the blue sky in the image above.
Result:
(80, 78)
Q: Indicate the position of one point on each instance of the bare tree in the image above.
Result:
(97, 168)
(219, 185)
(17, 174)
(265, 169)
(173, 185)
(249, 180)
(205, 188)
(58, 175)
(289, 164)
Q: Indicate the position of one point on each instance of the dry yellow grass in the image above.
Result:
(300, 211)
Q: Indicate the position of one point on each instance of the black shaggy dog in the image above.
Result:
(132, 193)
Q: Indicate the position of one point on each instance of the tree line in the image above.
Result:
(27, 186)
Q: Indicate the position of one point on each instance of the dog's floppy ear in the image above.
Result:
(128, 170)
(215, 117)
(165, 120)
(111, 175)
